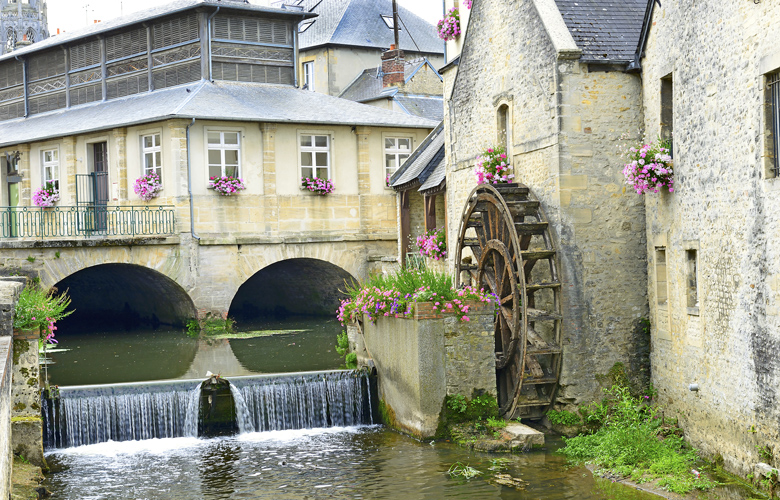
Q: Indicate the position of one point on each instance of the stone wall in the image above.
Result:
(724, 209)
(9, 294)
(564, 121)
(26, 422)
(419, 361)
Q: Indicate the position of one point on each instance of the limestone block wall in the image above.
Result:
(725, 210)
(26, 423)
(421, 360)
(6, 451)
(564, 120)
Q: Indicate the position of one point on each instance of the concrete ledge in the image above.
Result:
(90, 242)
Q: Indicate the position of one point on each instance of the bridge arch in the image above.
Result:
(124, 296)
(297, 286)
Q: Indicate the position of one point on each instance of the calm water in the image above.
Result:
(367, 463)
(141, 355)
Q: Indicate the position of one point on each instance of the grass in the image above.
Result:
(635, 442)
(465, 471)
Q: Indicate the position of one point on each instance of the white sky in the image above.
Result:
(68, 15)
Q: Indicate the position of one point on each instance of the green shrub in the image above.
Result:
(563, 417)
(351, 360)
(37, 308)
(342, 343)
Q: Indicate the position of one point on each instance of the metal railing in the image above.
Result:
(86, 221)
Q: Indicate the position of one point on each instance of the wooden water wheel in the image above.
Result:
(505, 246)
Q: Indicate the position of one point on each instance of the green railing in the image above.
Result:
(86, 221)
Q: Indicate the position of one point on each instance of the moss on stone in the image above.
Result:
(19, 406)
(387, 414)
(26, 419)
(32, 382)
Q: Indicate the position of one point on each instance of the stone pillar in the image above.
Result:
(26, 422)
(25, 193)
(364, 178)
(176, 185)
(10, 288)
(120, 150)
(269, 177)
(68, 170)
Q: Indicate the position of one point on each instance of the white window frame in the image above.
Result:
(156, 153)
(396, 152)
(52, 165)
(222, 147)
(313, 149)
(308, 75)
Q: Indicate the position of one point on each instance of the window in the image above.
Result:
(502, 126)
(51, 167)
(692, 281)
(223, 154)
(315, 156)
(397, 150)
(667, 112)
(305, 25)
(151, 153)
(661, 291)
(773, 100)
(389, 21)
(308, 75)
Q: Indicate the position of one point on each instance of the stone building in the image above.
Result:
(191, 90)
(546, 79)
(349, 36)
(22, 21)
(710, 76)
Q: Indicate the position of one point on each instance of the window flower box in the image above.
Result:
(47, 196)
(226, 186)
(148, 186)
(493, 167)
(318, 186)
(649, 168)
(449, 27)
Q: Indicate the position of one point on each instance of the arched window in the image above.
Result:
(10, 39)
(502, 126)
(30, 35)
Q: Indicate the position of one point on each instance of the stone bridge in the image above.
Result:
(172, 279)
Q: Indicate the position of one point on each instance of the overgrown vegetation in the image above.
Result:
(342, 347)
(465, 471)
(563, 417)
(635, 441)
(465, 420)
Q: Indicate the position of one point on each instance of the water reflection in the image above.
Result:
(300, 344)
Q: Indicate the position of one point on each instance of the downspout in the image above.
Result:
(210, 70)
(189, 183)
(24, 80)
(444, 14)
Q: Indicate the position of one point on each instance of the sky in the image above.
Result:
(68, 15)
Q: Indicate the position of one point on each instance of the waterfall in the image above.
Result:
(123, 412)
(302, 400)
(94, 414)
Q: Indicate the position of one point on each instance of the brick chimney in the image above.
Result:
(393, 67)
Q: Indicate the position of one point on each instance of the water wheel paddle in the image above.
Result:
(505, 246)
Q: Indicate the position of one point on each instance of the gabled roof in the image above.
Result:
(358, 23)
(423, 162)
(431, 107)
(605, 30)
(368, 84)
(225, 101)
(147, 15)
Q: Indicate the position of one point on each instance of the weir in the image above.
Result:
(90, 414)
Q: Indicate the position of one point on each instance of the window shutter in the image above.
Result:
(126, 44)
(85, 54)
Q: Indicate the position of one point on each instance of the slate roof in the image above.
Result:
(368, 87)
(358, 23)
(228, 101)
(605, 30)
(423, 162)
(146, 15)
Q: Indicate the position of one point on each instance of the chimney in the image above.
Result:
(393, 67)
(23, 42)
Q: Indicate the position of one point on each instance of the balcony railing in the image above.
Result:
(86, 221)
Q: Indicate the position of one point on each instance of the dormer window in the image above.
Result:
(389, 21)
(305, 25)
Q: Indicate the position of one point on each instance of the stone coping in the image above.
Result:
(81, 242)
(213, 240)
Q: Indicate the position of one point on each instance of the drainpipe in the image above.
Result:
(24, 80)
(210, 70)
(189, 183)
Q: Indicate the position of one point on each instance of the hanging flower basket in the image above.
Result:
(493, 167)
(148, 186)
(433, 244)
(226, 186)
(449, 27)
(316, 185)
(649, 168)
(47, 196)
(467, 3)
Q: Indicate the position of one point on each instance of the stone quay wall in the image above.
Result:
(421, 360)
(9, 294)
(724, 217)
(564, 119)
